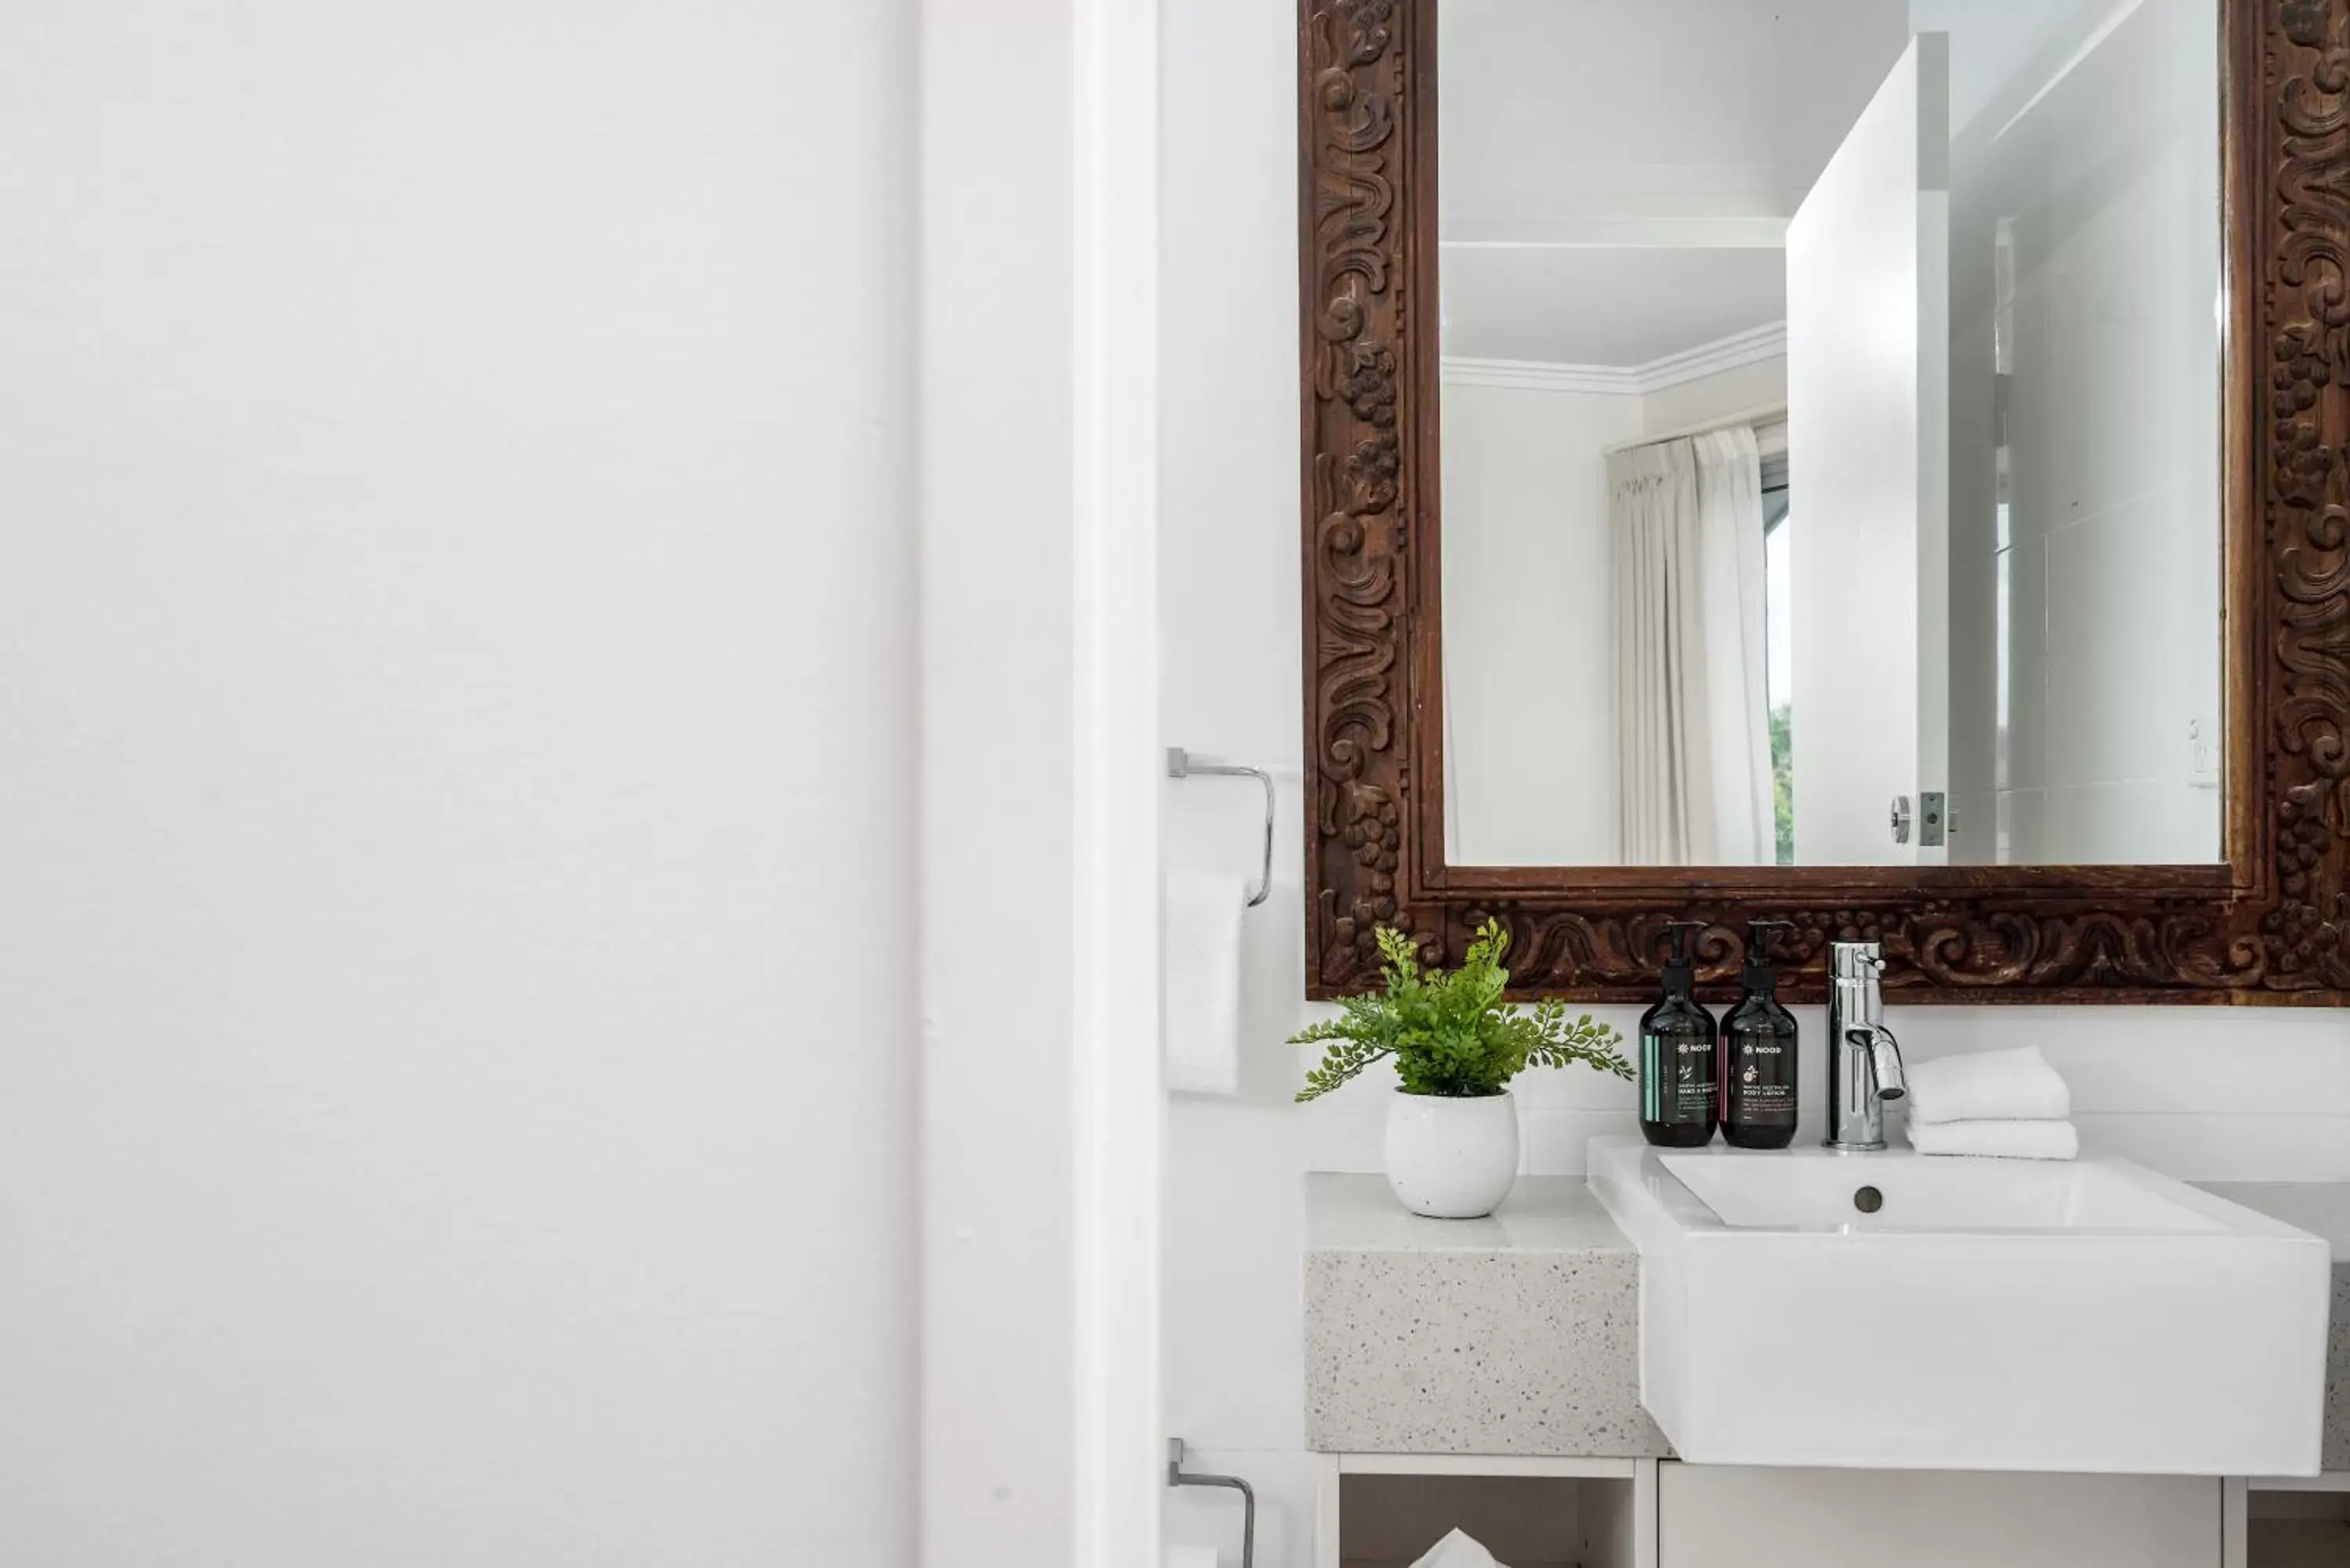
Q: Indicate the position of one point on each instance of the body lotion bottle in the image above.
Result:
(1758, 1050)
(1677, 1057)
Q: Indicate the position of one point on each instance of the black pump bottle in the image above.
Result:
(1677, 1057)
(1758, 1050)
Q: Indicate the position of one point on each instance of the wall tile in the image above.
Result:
(2226, 1148)
(2116, 678)
(1974, 671)
(2026, 760)
(2161, 822)
(2020, 821)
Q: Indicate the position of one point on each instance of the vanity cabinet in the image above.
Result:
(1763, 1518)
(1439, 1353)
(1384, 1511)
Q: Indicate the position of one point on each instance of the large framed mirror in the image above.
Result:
(1876, 465)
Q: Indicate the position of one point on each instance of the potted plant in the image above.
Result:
(1452, 1125)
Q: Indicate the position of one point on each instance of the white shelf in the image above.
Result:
(1382, 1511)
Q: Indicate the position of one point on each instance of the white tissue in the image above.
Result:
(1457, 1551)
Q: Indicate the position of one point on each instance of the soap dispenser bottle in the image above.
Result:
(1677, 1057)
(1758, 1048)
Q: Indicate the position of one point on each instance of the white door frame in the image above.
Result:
(1039, 953)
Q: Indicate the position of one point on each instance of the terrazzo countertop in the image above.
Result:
(1514, 1334)
(1520, 1334)
(2322, 1209)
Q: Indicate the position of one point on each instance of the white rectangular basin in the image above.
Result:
(1896, 1310)
(1812, 1190)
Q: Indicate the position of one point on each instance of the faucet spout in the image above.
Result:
(1886, 1075)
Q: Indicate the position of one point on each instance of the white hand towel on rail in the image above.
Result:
(1201, 944)
(2001, 1139)
(1988, 1086)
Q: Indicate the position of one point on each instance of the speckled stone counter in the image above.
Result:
(1514, 1334)
(2322, 1209)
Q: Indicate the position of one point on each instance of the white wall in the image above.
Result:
(1529, 637)
(1529, 618)
(2107, 562)
(1041, 776)
(456, 1038)
(2192, 1091)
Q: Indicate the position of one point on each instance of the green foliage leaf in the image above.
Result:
(1452, 1034)
(1783, 780)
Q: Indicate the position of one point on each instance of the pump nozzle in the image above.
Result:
(1678, 974)
(1761, 975)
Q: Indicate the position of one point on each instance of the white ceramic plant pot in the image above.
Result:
(1451, 1160)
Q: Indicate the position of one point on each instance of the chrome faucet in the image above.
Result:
(1864, 1059)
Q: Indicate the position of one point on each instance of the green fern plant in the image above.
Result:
(1452, 1034)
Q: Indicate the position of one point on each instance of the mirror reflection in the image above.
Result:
(1830, 432)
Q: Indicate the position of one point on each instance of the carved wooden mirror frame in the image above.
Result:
(2265, 927)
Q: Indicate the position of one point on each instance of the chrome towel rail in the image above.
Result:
(1178, 1476)
(1183, 764)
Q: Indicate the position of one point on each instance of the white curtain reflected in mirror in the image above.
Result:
(1943, 272)
(1693, 742)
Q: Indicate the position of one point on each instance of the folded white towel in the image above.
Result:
(1989, 1085)
(1202, 984)
(2000, 1139)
